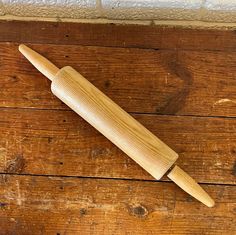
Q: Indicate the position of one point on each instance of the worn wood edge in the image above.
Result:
(7, 17)
(196, 24)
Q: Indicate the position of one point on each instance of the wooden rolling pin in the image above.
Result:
(115, 124)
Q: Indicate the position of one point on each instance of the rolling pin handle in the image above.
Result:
(47, 68)
(189, 185)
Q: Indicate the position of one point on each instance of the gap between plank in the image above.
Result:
(132, 113)
(108, 178)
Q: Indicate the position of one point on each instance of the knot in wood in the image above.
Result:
(139, 211)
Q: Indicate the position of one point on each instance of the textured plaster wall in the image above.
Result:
(201, 10)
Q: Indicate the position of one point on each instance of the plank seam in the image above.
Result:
(132, 113)
(110, 178)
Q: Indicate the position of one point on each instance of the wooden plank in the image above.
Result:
(143, 81)
(42, 205)
(141, 36)
(193, 75)
(49, 142)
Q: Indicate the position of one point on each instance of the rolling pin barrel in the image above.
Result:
(113, 122)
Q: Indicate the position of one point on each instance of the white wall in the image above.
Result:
(202, 10)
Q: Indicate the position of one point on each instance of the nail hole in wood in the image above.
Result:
(49, 140)
(82, 211)
(107, 83)
(3, 204)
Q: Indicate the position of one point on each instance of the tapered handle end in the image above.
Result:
(41, 63)
(189, 185)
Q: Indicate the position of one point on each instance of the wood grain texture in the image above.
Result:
(193, 74)
(61, 143)
(143, 81)
(111, 35)
(54, 205)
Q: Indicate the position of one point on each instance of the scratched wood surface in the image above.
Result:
(57, 142)
(55, 205)
(60, 176)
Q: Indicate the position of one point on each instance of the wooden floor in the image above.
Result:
(60, 176)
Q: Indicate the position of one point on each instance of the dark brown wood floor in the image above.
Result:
(60, 176)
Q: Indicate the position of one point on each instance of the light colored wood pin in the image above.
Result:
(116, 124)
